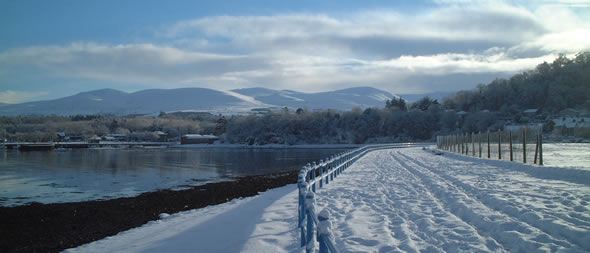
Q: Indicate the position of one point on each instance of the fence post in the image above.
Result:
(524, 145)
(472, 144)
(499, 145)
(510, 138)
(479, 140)
(541, 148)
(536, 149)
(488, 144)
(309, 207)
(324, 227)
(332, 166)
(466, 143)
(302, 214)
(312, 167)
(321, 169)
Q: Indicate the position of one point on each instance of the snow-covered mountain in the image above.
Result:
(110, 101)
(345, 99)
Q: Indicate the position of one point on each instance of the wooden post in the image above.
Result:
(488, 144)
(536, 149)
(313, 173)
(510, 138)
(499, 145)
(472, 144)
(461, 141)
(541, 148)
(524, 145)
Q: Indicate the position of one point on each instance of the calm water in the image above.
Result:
(83, 174)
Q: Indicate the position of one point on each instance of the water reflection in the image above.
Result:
(82, 174)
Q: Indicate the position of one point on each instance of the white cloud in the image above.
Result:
(502, 23)
(315, 52)
(12, 96)
(138, 63)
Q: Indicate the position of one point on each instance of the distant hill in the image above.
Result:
(344, 99)
(110, 101)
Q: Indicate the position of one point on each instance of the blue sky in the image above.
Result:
(51, 49)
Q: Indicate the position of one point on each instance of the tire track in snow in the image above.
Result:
(377, 204)
(577, 233)
(516, 232)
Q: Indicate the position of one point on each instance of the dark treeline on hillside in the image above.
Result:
(550, 88)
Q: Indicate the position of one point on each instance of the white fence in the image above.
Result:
(317, 228)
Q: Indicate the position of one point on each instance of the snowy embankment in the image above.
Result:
(394, 200)
(263, 223)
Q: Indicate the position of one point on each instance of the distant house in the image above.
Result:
(61, 136)
(198, 139)
(94, 139)
(571, 126)
(163, 137)
(108, 138)
(530, 111)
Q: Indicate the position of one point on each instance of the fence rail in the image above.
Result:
(314, 176)
(524, 145)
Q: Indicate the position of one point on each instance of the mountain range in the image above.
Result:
(110, 101)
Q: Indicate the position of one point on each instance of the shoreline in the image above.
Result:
(59, 226)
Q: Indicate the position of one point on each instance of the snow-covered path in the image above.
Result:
(397, 200)
(263, 223)
(411, 200)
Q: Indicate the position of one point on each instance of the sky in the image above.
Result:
(52, 49)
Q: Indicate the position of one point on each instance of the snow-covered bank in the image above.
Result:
(263, 223)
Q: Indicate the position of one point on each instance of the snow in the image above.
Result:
(405, 200)
(291, 97)
(412, 200)
(569, 155)
(245, 98)
(198, 136)
(263, 223)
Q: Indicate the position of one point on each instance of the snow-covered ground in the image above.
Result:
(412, 200)
(395, 200)
(263, 223)
(576, 155)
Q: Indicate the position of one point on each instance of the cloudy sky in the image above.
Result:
(51, 49)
